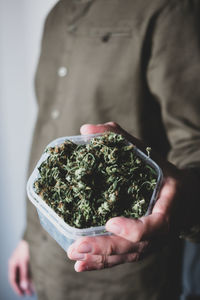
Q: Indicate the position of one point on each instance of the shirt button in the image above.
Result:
(55, 114)
(62, 71)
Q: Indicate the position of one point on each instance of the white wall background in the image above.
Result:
(21, 25)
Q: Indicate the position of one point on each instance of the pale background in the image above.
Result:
(21, 23)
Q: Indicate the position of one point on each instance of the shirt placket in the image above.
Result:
(77, 11)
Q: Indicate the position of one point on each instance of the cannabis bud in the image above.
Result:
(88, 184)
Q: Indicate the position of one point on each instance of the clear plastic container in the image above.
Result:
(64, 234)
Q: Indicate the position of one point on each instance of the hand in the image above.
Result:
(132, 239)
(19, 272)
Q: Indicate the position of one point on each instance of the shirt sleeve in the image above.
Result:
(173, 77)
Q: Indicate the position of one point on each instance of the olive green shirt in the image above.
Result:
(136, 63)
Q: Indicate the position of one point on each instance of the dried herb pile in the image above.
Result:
(88, 184)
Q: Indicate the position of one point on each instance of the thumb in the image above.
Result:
(146, 227)
(113, 127)
(137, 230)
(100, 128)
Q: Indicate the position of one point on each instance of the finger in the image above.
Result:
(27, 287)
(113, 127)
(137, 230)
(100, 128)
(12, 276)
(105, 245)
(25, 282)
(98, 262)
(166, 198)
(153, 225)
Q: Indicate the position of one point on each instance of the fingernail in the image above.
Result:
(109, 123)
(113, 227)
(85, 248)
(24, 285)
(79, 267)
(78, 256)
(84, 128)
